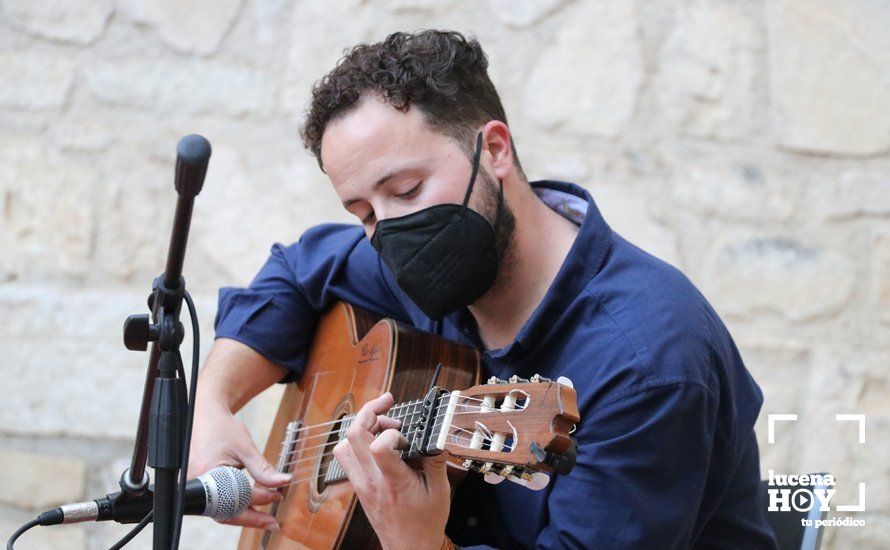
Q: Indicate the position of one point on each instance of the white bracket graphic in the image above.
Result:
(854, 417)
(854, 507)
(771, 424)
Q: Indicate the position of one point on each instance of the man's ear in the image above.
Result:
(496, 142)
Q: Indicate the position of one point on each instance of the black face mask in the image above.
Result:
(444, 257)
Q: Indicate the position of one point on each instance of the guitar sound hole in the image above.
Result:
(328, 468)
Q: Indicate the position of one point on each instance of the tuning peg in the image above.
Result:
(537, 378)
(564, 380)
(518, 380)
(535, 481)
(493, 479)
(496, 380)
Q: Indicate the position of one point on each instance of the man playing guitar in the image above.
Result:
(455, 241)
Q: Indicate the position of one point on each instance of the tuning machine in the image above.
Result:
(562, 463)
(532, 480)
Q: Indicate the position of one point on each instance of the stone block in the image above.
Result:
(880, 288)
(82, 132)
(47, 215)
(859, 191)
(327, 29)
(828, 75)
(38, 482)
(75, 21)
(247, 208)
(524, 13)
(181, 86)
(586, 80)
(68, 371)
(34, 81)
(185, 26)
(709, 82)
(135, 217)
(753, 274)
(741, 190)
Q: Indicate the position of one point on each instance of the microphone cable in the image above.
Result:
(190, 415)
(19, 531)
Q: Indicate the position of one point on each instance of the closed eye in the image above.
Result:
(411, 193)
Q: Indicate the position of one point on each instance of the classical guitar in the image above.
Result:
(516, 429)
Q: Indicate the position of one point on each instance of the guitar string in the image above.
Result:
(395, 407)
(484, 438)
(347, 421)
(436, 424)
(325, 444)
(315, 457)
(407, 414)
(398, 406)
(331, 463)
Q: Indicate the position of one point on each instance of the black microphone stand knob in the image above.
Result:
(138, 332)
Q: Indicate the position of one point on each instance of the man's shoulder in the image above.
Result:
(673, 330)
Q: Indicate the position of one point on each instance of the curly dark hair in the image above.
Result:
(440, 72)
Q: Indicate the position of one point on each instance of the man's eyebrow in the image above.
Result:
(349, 202)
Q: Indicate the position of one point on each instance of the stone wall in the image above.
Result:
(747, 142)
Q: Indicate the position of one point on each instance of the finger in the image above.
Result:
(260, 469)
(386, 423)
(367, 415)
(360, 434)
(260, 496)
(387, 452)
(355, 473)
(254, 518)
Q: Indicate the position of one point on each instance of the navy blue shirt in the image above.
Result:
(667, 456)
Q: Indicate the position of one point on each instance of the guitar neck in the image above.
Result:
(422, 420)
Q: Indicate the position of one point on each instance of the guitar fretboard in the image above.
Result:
(410, 413)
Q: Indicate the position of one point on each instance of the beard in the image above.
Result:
(500, 216)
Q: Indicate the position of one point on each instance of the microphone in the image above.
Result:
(221, 493)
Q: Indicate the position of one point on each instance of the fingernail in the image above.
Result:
(274, 527)
(284, 477)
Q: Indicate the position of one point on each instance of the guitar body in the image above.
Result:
(355, 357)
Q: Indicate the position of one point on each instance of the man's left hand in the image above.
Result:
(408, 508)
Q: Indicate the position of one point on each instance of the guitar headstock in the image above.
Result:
(513, 429)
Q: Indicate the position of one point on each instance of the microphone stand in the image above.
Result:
(161, 429)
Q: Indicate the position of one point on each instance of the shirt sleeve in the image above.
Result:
(643, 461)
(277, 313)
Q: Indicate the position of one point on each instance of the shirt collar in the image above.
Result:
(583, 261)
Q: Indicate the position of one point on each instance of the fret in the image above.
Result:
(408, 413)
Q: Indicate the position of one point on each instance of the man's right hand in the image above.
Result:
(232, 375)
